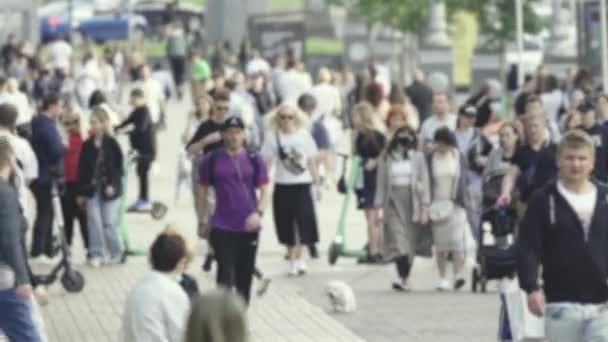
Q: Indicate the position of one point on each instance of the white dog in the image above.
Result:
(341, 296)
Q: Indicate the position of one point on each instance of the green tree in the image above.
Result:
(402, 15)
(497, 19)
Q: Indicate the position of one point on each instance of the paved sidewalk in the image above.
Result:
(95, 314)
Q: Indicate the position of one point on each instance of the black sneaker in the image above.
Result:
(312, 250)
(208, 263)
(459, 283)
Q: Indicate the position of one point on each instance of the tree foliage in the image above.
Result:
(402, 15)
(496, 17)
(497, 20)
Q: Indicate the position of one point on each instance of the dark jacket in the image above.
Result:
(143, 136)
(46, 143)
(575, 267)
(12, 224)
(421, 96)
(110, 171)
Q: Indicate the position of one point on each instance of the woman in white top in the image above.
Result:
(401, 172)
(291, 145)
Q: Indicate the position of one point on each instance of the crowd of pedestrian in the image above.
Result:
(264, 136)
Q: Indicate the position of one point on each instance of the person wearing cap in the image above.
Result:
(599, 135)
(239, 179)
(476, 148)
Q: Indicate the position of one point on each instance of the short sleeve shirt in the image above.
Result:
(200, 70)
(234, 186)
(298, 146)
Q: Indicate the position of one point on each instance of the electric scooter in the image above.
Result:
(71, 279)
(338, 248)
(158, 211)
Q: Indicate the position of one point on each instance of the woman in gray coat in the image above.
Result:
(399, 191)
(447, 170)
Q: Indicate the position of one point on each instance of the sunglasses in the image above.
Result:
(222, 108)
(70, 123)
(286, 117)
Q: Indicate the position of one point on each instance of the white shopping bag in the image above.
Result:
(524, 325)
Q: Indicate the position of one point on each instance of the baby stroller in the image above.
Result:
(495, 259)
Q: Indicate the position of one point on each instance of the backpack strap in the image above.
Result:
(212, 159)
(253, 159)
(552, 218)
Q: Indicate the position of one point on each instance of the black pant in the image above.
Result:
(404, 265)
(294, 214)
(178, 67)
(42, 239)
(143, 169)
(72, 211)
(235, 253)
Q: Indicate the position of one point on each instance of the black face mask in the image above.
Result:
(406, 141)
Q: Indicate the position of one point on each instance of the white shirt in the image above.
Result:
(583, 204)
(154, 95)
(464, 138)
(299, 145)
(24, 110)
(401, 172)
(156, 311)
(257, 65)
(433, 123)
(291, 85)
(328, 99)
(19, 100)
(60, 53)
(28, 169)
(551, 104)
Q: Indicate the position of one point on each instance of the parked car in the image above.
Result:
(155, 13)
(100, 28)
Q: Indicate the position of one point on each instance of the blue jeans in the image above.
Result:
(103, 217)
(16, 318)
(567, 322)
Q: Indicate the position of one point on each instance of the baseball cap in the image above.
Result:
(233, 121)
(468, 110)
(585, 106)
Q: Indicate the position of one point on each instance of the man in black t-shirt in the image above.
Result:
(208, 135)
(599, 135)
(533, 163)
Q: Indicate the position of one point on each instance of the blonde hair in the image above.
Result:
(300, 120)
(218, 316)
(575, 139)
(104, 118)
(325, 75)
(370, 119)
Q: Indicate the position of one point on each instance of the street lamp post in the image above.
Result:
(519, 17)
(604, 36)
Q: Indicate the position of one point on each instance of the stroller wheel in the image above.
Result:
(72, 281)
(334, 253)
(159, 210)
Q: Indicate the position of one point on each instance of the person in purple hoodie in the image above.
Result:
(239, 178)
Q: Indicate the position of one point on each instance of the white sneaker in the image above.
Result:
(301, 266)
(41, 295)
(444, 285)
(292, 268)
(95, 262)
(117, 260)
